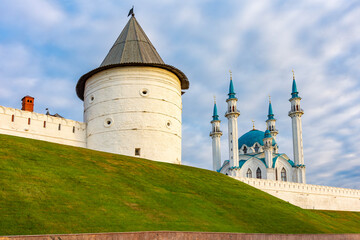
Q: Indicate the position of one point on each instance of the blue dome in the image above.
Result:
(252, 137)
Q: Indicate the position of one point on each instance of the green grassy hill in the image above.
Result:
(51, 188)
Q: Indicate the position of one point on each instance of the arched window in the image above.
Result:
(233, 109)
(276, 176)
(258, 173)
(283, 175)
(245, 150)
(256, 148)
(249, 173)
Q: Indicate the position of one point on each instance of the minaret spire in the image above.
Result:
(215, 134)
(232, 114)
(295, 113)
(270, 122)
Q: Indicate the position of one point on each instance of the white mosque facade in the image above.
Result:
(256, 153)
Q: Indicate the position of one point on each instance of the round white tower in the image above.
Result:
(232, 114)
(295, 113)
(132, 102)
(215, 134)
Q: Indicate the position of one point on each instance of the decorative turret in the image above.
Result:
(232, 114)
(295, 113)
(270, 122)
(215, 134)
(268, 151)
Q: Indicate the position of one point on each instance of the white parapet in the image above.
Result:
(38, 126)
(309, 196)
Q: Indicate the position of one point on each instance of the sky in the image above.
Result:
(47, 45)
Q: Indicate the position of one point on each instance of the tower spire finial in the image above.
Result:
(131, 12)
(293, 74)
(230, 74)
(253, 122)
(214, 99)
(269, 99)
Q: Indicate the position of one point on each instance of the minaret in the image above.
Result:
(268, 151)
(295, 113)
(232, 114)
(270, 122)
(215, 134)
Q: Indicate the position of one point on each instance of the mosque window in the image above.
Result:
(256, 148)
(137, 151)
(283, 175)
(13, 118)
(245, 150)
(276, 175)
(44, 124)
(249, 173)
(233, 109)
(258, 173)
(29, 121)
(73, 129)
(59, 128)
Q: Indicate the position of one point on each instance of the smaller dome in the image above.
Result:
(267, 134)
(252, 137)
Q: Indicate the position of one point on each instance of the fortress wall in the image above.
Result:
(309, 196)
(31, 125)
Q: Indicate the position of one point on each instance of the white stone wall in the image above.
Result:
(309, 196)
(128, 108)
(71, 132)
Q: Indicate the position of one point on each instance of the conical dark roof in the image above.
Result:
(132, 48)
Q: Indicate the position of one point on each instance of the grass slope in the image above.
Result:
(51, 188)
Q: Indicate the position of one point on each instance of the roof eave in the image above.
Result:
(80, 86)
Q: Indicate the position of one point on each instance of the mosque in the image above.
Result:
(256, 153)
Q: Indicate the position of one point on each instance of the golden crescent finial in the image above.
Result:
(214, 99)
(269, 98)
(230, 74)
(253, 122)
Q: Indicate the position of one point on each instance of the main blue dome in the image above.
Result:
(252, 137)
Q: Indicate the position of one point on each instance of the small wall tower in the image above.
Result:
(27, 104)
(232, 114)
(295, 113)
(270, 122)
(215, 134)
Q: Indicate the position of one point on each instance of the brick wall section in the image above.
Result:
(184, 236)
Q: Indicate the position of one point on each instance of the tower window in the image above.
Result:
(137, 151)
(44, 124)
(283, 175)
(29, 121)
(13, 118)
(276, 175)
(249, 173)
(258, 173)
(59, 128)
(245, 150)
(74, 129)
(256, 148)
